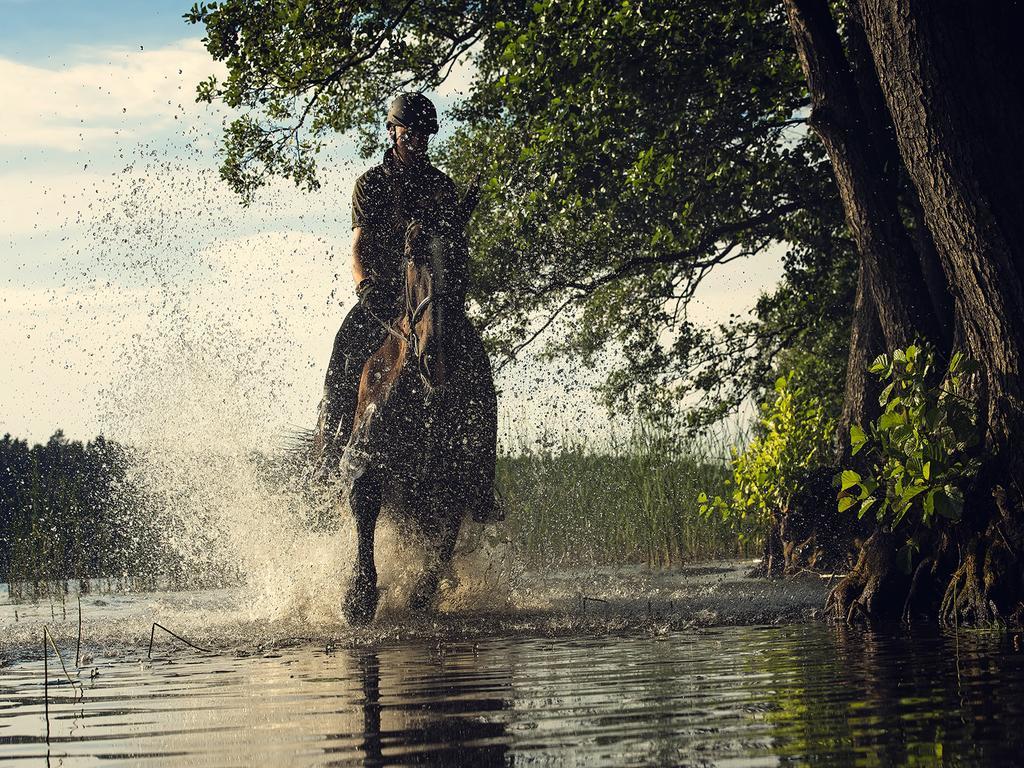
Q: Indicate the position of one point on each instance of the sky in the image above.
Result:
(138, 298)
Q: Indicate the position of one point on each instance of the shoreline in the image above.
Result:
(568, 603)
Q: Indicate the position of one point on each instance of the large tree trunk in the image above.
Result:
(892, 305)
(866, 186)
(954, 90)
(883, 138)
(860, 401)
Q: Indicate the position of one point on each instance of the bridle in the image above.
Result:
(412, 315)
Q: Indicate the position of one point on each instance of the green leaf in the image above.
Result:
(884, 397)
(910, 492)
(929, 504)
(848, 479)
(858, 438)
(845, 502)
(888, 420)
(949, 503)
(865, 506)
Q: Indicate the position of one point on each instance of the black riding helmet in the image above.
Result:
(413, 110)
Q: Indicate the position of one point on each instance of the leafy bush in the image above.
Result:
(795, 433)
(919, 451)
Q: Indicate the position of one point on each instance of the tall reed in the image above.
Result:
(634, 500)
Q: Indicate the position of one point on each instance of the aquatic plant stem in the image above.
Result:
(46, 687)
(78, 645)
(152, 633)
(75, 685)
(585, 599)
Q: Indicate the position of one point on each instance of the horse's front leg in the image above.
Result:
(361, 600)
(443, 540)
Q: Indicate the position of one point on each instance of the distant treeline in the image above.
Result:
(63, 508)
(72, 511)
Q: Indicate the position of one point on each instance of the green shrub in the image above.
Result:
(795, 433)
(919, 453)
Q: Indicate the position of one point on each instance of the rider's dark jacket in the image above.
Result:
(390, 195)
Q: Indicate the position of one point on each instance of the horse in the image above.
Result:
(424, 439)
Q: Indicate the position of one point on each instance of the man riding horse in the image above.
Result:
(409, 391)
(386, 199)
(405, 187)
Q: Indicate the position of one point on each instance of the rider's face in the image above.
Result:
(411, 141)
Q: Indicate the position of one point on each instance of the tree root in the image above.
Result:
(908, 604)
(773, 557)
(986, 586)
(870, 591)
(965, 596)
(972, 571)
(810, 534)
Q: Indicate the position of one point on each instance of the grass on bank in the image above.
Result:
(634, 501)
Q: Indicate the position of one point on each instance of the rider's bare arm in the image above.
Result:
(360, 246)
(367, 259)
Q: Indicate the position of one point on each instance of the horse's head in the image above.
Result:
(433, 294)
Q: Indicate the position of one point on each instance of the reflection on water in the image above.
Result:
(794, 695)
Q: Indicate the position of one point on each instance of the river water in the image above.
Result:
(673, 668)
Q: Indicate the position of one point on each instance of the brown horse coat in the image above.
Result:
(425, 427)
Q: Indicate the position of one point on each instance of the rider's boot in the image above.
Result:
(337, 414)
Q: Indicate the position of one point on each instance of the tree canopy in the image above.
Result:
(628, 149)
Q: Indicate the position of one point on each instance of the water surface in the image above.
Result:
(542, 688)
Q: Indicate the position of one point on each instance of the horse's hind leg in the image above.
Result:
(444, 539)
(361, 600)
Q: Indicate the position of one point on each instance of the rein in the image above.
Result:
(389, 327)
(413, 317)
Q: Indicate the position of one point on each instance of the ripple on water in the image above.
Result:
(799, 694)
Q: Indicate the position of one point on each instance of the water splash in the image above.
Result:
(223, 512)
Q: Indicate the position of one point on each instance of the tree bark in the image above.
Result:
(954, 92)
(860, 400)
(892, 307)
(954, 89)
(866, 187)
(883, 139)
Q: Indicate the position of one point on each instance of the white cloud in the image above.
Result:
(151, 197)
(40, 200)
(101, 94)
